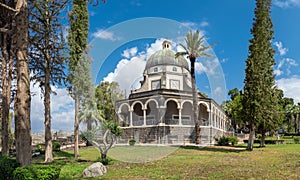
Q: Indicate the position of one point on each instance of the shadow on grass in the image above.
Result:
(225, 149)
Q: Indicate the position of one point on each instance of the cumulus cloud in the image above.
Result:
(287, 3)
(129, 70)
(130, 52)
(204, 24)
(290, 87)
(104, 34)
(281, 49)
(207, 66)
(287, 64)
(194, 25)
(62, 110)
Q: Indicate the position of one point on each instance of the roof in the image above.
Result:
(166, 56)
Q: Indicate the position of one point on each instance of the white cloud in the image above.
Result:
(130, 52)
(194, 25)
(207, 66)
(290, 87)
(204, 24)
(62, 110)
(286, 63)
(287, 3)
(281, 49)
(129, 70)
(104, 34)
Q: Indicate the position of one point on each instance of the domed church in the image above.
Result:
(161, 110)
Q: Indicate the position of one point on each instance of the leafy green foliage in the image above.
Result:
(7, 167)
(41, 172)
(56, 146)
(260, 99)
(226, 141)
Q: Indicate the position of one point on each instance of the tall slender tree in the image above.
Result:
(6, 48)
(260, 100)
(23, 98)
(194, 48)
(77, 40)
(47, 55)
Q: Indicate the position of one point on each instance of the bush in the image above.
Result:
(296, 140)
(257, 141)
(56, 146)
(132, 141)
(226, 141)
(223, 141)
(40, 149)
(7, 167)
(233, 140)
(41, 172)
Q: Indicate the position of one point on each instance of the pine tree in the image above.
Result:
(47, 55)
(7, 60)
(260, 100)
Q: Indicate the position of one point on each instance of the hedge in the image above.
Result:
(7, 167)
(41, 172)
(266, 141)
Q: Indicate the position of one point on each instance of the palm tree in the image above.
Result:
(194, 48)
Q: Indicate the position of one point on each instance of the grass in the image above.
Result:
(272, 162)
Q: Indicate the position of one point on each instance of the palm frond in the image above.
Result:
(180, 54)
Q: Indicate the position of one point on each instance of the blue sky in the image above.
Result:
(121, 44)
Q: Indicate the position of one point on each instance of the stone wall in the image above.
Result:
(173, 135)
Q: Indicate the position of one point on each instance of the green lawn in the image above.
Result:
(272, 162)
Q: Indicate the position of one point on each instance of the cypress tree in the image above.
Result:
(260, 100)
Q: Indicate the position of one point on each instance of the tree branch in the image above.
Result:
(7, 7)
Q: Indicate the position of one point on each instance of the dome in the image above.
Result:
(166, 56)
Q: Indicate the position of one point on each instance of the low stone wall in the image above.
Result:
(173, 135)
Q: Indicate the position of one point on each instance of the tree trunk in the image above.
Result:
(263, 137)
(296, 121)
(76, 126)
(48, 136)
(23, 99)
(89, 128)
(251, 137)
(104, 158)
(195, 101)
(5, 103)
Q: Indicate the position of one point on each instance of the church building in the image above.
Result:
(161, 110)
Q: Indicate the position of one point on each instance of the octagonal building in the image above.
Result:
(161, 110)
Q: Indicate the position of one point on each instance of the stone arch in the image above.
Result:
(134, 103)
(150, 100)
(184, 101)
(124, 114)
(137, 113)
(172, 99)
(204, 103)
(187, 113)
(172, 112)
(152, 112)
(204, 114)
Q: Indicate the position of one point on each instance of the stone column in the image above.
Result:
(180, 121)
(130, 125)
(145, 116)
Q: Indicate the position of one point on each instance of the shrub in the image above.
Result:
(132, 141)
(233, 140)
(56, 146)
(7, 167)
(226, 141)
(41, 172)
(223, 141)
(296, 140)
(40, 149)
